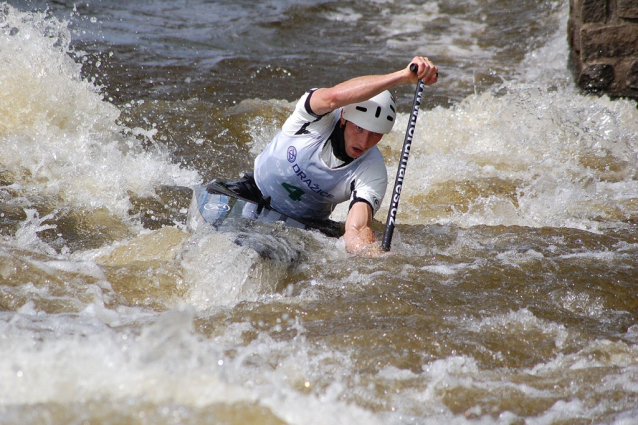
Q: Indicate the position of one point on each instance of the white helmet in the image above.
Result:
(376, 114)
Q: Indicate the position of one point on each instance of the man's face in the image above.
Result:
(357, 140)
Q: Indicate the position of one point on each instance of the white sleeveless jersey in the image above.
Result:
(292, 170)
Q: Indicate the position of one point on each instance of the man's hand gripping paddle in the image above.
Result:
(403, 163)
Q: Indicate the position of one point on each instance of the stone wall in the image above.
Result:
(603, 35)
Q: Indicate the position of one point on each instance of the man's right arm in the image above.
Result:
(325, 100)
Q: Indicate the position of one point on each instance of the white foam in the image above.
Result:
(560, 411)
(522, 320)
(220, 272)
(115, 366)
(529, 157)
(343, 14)
(59, 138)
(169, 363)
(444, 269)
(515, 257)
(27, 234)
(548, 65)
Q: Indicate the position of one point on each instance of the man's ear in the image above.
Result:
(342, 119)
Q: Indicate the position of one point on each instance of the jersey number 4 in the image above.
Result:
(294, 192)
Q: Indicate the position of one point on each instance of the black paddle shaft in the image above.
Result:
(403, 163)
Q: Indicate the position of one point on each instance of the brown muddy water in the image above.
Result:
(510, 295)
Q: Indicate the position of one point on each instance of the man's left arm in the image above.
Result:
(358, 233)
(366, 198)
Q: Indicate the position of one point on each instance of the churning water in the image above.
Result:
(510, 295)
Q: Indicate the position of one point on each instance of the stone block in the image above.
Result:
(628, 9)
(632, 75)
(603, 37)
(611, 41)
(596, 77)
(573, 34)
(594, 11)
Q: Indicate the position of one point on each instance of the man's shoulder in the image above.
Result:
(373, 166)
(373, 156)
(302, 122)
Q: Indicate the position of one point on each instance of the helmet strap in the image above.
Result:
(338, 142)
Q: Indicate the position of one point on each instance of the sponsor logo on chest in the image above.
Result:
(307, 181)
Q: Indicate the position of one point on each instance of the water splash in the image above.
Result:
(27, 235)
(522, 155)
(60, 139)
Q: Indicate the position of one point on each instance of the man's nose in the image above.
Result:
(366, 140)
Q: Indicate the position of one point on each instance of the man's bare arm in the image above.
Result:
(358, 232)
(359, 89)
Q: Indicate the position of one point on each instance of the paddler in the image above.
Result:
(326, 151)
